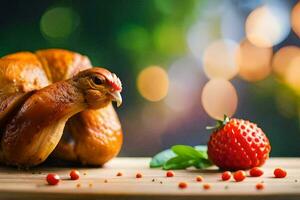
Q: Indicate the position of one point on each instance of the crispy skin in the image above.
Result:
(9, 103)
(60, 64)
(96, 137)
(21, 72)
(35, 122)
(35, 130)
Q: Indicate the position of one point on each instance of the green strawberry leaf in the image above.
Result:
(161, 158)
(202, 149)
(181, 157)
(220, 124)
(178, 162)
(186, 151)
(203, 163)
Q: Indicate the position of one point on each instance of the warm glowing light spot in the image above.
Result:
(219, 97)
(254, 62)
(292, 75)
(59, 22)
(153, 83)
(219, 59)
(283, 58)
(295, 19)
(267, 26)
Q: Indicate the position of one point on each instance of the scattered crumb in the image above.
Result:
(105, 181)
(78, 185)
(296, 180)
(182, 185)
(138, 175)
(161, 182)
(225, 176)
(90, 184)
(280, 173)
(153, 180)
(226, 187)
(199, 179)
(239, 175)
(170, 174)
(84, 173)
(259, 186)
(119, 174)
(206, 186)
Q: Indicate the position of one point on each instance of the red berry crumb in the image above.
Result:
(206, 186)
(138, 175)
(170, 174)
(256, 172)
(260, 186)
(239, 175)
(226, 175)
(52, 179)
(280, 173)
(74, 175)
(199, 179)
(119, 174)
(182, 185)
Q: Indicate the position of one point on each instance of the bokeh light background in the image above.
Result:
(182, 63)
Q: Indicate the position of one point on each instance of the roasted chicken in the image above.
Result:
(53, 101)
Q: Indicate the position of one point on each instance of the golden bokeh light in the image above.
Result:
(153, 83)
(292, 75)
(295, 19)
(219, 97)
(219, 59)
(254, 62)
(267, 26)
(283, 58)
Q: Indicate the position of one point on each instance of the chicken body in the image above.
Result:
(37, 108)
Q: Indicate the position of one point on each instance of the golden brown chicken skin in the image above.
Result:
(80, 106)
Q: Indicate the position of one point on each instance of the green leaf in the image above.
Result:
(178, 162)
(161, 158)
(182, 157)
(203, 163)
(220, 124)
(202, 149)
(186, 151)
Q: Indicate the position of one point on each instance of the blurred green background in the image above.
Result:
(166, 51)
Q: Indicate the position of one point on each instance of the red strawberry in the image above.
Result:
(238, 144)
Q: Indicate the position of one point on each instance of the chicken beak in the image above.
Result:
(116, 97)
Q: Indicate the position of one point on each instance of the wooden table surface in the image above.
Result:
(31, 184)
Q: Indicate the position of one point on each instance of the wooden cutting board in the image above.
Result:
(102, 183)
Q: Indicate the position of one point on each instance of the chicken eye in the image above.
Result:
(97, 80)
